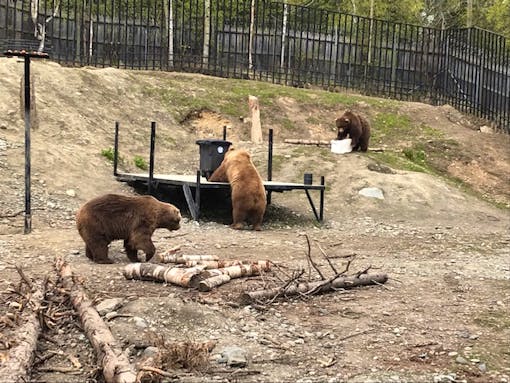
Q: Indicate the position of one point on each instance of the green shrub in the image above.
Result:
(415, 155)
(108, 153)
(140, 163)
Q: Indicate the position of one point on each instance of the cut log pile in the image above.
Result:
(201, 274)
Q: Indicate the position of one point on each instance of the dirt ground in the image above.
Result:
(443, 316)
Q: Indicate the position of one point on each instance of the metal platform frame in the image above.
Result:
(199, 183)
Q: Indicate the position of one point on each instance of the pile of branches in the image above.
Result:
(297, 284)
(33, 309)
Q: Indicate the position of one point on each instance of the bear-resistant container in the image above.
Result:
(211, 155)
(341, 146)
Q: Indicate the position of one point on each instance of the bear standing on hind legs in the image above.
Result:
(133, 219)
(247, 190)
(355, 126)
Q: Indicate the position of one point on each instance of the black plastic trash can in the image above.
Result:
(211, 155)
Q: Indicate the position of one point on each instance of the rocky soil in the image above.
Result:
(443, 316)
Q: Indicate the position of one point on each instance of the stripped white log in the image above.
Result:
(184, 258)
(212, 282)
(149, 271)
(170, 253)
(251, 269)
(115, 364)
(236, 271)
(227, 263)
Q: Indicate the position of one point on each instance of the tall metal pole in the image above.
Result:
(270, 163)
(116, 149)
(28, 210)
(26, 56)
(151, 157)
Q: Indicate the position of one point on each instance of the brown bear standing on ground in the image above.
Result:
(133, 219)
(248, 193)
(355, 126)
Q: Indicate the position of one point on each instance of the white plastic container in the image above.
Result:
(341, 146)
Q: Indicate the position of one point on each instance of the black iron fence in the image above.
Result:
(277, 42)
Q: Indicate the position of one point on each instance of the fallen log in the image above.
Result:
(316, 287)
(183, 258)
(209, 279)
(149, 271)
(115, 364)
(224, 263)
(16, 366)
(212, 282)
(300, 141)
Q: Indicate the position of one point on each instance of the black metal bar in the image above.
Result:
(224, 132)
(321, 210)
(269, 163)
(270, 156)
(27, 106)
(116, 149)
(197, 196)
(28, 211)
(189, 200)
(151, 157)
(310, 200)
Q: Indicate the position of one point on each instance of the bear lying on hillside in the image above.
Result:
(133, 219)
(248, 193)
(355, 126)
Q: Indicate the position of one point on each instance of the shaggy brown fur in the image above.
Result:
(355, 126)
(248, 193)
(133, 219)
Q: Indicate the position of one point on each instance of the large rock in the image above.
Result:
(108, 305)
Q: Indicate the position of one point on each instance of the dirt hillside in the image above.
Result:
(443, 315)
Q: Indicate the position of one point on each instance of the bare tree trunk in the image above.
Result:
(170, 27)
(115, 364)
(469, 14)
(16, 367)
(207, 32)
(251, 37)
(284, 32)
(314, 287)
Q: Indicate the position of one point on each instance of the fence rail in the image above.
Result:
(277, 42)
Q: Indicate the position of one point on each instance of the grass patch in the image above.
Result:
(140, 162)
(497, 320)
(415, 155)
(398, 161)
(108, 154)
(229, 97)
